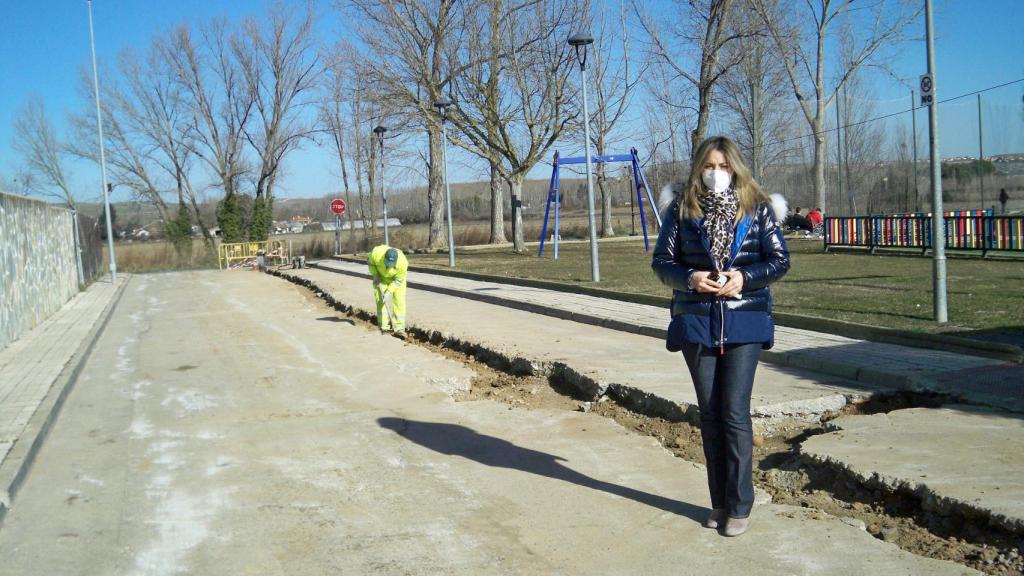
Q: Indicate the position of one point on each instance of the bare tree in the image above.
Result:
(278, 60)
(666, 117)
(615, 84)
(348, 115)
(695, 40)
(801, 31)
(127, 155)
(43, 153)
(221, 102)
(408, 41)
(862, 140)
(756, 92)
(336, 120)
(478, 97)
(147, 130)
(514, 101)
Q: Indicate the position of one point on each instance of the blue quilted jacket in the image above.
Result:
(758, 251)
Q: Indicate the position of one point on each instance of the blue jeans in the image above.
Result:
(723, 385)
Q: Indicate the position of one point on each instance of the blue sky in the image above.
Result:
(46, 44)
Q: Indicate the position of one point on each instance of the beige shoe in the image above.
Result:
(736, 526)
(715, 518)
(400, 334)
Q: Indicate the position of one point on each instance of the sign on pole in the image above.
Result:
(338, 206)
(927, 84)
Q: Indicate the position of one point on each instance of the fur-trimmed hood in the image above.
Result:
(668, 193)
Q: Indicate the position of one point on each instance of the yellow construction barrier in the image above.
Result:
(243, 254)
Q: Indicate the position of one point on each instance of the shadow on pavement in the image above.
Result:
(336, 319)
(458, 440)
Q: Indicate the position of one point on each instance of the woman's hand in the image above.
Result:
(734, 285)
(700, 282)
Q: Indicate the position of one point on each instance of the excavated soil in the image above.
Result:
(778, 468)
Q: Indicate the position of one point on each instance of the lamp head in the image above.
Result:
(581, 39)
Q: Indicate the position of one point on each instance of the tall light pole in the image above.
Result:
(580, 41)
(913, 129)
(938, 225)
(379, 131)
(103, 158)
(442, 108)
(981, 159)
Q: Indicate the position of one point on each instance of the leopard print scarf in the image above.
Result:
(719, 221)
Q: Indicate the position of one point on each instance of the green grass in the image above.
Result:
(986, 297)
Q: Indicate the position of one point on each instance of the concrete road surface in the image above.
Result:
(229, 424)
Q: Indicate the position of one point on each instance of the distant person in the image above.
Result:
(817, 222)
(797, 221)
(389, 269)
(719, 249)
(1003, 199)
(815, 217)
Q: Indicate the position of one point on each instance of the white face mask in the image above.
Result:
(716, 180)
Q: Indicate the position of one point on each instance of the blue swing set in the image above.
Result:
(554, 193)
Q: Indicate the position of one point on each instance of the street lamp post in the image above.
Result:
(938, 225)
(379, 131)
(580, 41)
(103, 159)
(442, 108)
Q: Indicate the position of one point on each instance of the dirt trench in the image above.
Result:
(779, 469)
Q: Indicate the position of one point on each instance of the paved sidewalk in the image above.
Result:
(37, 369)
(977, 380)
(962, 461)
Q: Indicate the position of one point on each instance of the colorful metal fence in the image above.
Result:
(964, 230)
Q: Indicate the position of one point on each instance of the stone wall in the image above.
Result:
(38, 273)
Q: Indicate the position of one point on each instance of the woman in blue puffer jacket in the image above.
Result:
(719, 248)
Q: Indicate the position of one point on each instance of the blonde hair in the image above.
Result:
(748, 191)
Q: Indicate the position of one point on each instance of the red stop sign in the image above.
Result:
(338, 206)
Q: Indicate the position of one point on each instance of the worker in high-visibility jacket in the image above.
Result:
(389, 269)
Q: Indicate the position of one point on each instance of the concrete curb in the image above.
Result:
(19, 460)
(943, 342)
(909, 485)
(929, 499)
(808, 361)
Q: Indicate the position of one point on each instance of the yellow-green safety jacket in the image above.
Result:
(383, 274)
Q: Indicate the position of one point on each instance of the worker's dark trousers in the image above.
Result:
(723, 384)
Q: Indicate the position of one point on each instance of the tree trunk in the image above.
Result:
(362, 195)
(819, 167)
(606, 202)
(211, 245)
(497, 207)
(703, 112)
(515, 185)
(492, 98)
(819, 124)
(757, 123)
(436, 236)
(371, 180)
(349, 208)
